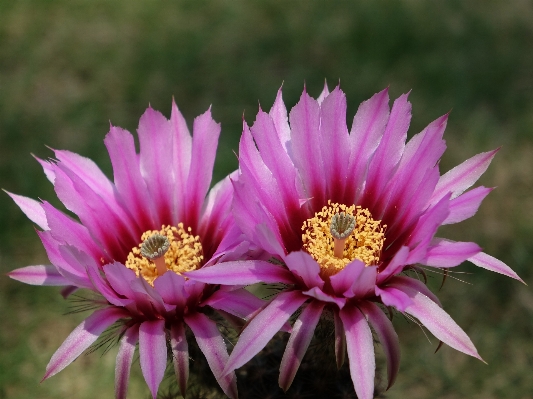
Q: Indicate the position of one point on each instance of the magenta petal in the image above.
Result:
(81, 338)
(445, 253)
(153, 353)
(213, 347)
(460, 178)
(204, 146)
(495, 265)
(360, 348)
(120, 278)
(466, 205)
(302, 333)
(367, 129)
(440, 324)
(320, 295)
(306, 147)
(242, 273)
(340, 340)
(171, 288)
(343, 280)
(278, 113)
(240, 303)
(365, 285)
(263, 327)
(391, 296)
(395, 266)
(31, 208)
(155, 159)
(38, 275)
(408, 284)
(429, 222)
(125, 354)
(387, 336)
(180, 350)
(305, 267)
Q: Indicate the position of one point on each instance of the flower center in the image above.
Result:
(171, 248)
(338, 234)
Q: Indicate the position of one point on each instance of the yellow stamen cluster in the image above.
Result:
(364, 243)
(184, 254)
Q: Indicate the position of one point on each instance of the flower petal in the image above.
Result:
(460, 178)
(278, 113)
(466, 205)
(125, 354)
(242, 273)
(360, 348)
(171, 288)
(263, 327)
(31, 208)
(153, 353)
(343, 280)
(38, 275)
(440, 324)
(302, 333)
(495, 265)
(395, 266)
(387, 336)
(446, 253)
(204, 146)
(213, 347)
(240, 303)
(340, 340)
(321, 296)
(180, 350)
(81, 338)
(301, 264)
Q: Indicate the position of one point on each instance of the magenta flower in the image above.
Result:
(136, 237)
(343, 214)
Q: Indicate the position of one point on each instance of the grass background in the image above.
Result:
(67, 68)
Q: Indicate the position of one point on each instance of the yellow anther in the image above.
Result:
(184, 253)
(361, 237)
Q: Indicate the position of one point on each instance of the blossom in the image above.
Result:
(343, 215)
(135, 238)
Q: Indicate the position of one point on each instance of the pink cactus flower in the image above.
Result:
(343, 215)
(136, 237)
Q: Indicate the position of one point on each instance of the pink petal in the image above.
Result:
(335, 143)
(301, 264)
(180, 350)
(213, 347)
(429, 222)
(387, 336)
(340, 340)
(367, 129)
(125, 354)
(171, 288)
(156, 159)
(406, 284)
(360, 348)
(302, 333)
(440, 324)
(242, 273)
(81, 338)
(365, 284)
(127, 176)
(240, 303)
(31, 208)
(306, 147)
(495, 265)
(278, 113)
(343, 280)
(445, 253)
(38, 275)
(466, 205)
(391, 296)
(395, 266)
(120, 278)
(323, 94)
(204, 146)
(389, 151)
(460, 178)
(321, 296)
(153, 353)
(263, 327)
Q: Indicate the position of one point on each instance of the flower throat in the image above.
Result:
(338, 234)
(171, 248)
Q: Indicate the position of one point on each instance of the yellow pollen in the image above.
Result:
(364, 243)
(185, 253)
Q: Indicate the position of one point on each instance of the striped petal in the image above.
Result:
(125, 354)
(180, 350)
(153, 353)
(38, 275)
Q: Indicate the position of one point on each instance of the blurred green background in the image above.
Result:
(68, 68)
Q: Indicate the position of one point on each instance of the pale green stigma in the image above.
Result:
(155, 246)
(342, 225)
